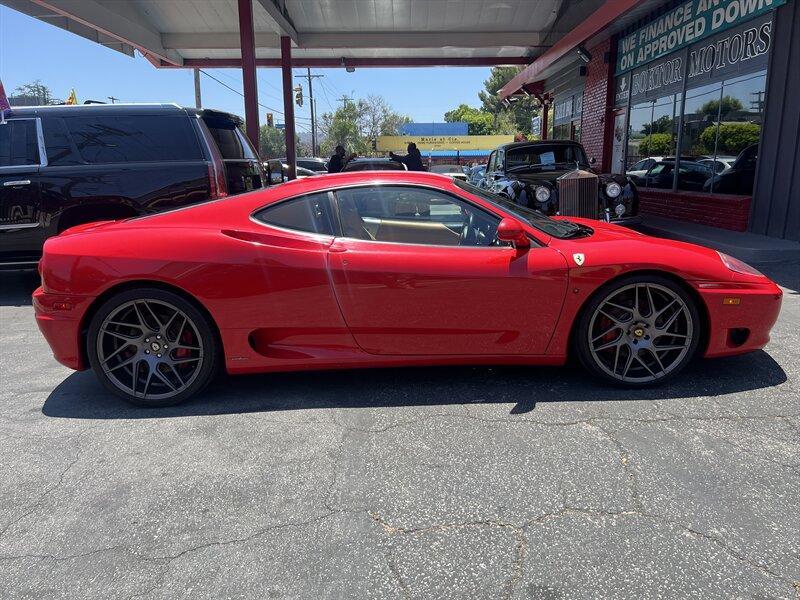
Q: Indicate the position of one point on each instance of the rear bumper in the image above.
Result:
(743, 327)
(59, 318)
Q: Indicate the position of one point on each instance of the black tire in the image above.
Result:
(598, 360)
(199, 327)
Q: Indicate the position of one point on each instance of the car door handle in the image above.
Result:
(17, 183)
(337, 246)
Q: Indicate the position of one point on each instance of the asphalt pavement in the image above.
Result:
(407, 483)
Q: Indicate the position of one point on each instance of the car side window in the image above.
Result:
(19, 145)
(310, 213)
(490, 164)
(413, 215)
(60, 148)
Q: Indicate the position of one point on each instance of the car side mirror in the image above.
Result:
(510, 230)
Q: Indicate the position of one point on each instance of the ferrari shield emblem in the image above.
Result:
(578, 258)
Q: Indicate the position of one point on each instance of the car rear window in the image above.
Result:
(133, 138)
(18, 143)
(231, 141)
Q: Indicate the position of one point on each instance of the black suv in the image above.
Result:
(555, 178)
(61, 166)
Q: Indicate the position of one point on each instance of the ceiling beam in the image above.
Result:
(278, 14)
(408, 39)
(333, 63)
(130, 28)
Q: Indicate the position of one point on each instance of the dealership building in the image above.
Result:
(711, 85)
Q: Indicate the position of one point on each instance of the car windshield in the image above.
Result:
(553, 227)
(545, 157)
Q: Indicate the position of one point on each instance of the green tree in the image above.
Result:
(731, 138)
(521, 112)
(660, 125)
(272, 143)
(657, 144)
(479, 122)
(36, 89)
(356, 124)
(729, 104)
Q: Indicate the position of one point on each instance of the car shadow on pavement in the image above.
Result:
(81, 396)
(16, 287)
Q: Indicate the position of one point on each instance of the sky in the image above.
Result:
(31, 49)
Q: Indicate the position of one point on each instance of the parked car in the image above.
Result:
(456, 171)
(61, 166)
(718, 164)
(555, 178)
(638, 170)
(373, 164)
(739, 178)
(278, 171)
(477, 174)
(310, 163)
(691, 175)
(384, 269)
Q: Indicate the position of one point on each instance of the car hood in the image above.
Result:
(612, 246)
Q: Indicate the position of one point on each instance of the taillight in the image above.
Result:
(217, 181)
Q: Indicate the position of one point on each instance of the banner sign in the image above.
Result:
(394, 143)
(685, 24)
(729, 54)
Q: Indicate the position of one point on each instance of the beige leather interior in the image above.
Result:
(416, 232)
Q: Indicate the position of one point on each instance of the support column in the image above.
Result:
(247, 41)
(545, 111)
(288, 105)
(198, 102)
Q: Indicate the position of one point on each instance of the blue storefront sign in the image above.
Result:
(686, 24)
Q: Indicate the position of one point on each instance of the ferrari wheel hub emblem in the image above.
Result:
(638, 332)
(155, 346)
(578, 258)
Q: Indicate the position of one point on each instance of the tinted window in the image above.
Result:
(232, 143)
(308, 213)
(18, 143)
(59, 146)
(388, 165)
(411, 215)
(133, 138)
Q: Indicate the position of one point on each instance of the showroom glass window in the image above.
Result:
(722, 119)
(653, 129)
(413, 215)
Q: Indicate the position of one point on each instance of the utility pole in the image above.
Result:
(113, 99)
(313, 108)
(344, 99)
(197, 101)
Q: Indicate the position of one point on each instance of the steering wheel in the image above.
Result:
(468, 231)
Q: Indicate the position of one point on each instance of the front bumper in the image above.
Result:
(59, 318)
(740, 314)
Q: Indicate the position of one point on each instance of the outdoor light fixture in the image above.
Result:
(348, 68)
(584, 54)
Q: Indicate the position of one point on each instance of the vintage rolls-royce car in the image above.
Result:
(555, 178)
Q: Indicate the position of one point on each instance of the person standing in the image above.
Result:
(412, 160)
(338, 161)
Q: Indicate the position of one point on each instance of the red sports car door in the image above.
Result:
(409, 299)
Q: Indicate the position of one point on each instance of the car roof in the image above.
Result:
(61, 110)
(534, 143)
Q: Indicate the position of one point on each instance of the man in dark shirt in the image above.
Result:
(412, 160)
(338, 161)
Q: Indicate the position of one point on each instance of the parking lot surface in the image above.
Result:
(414, 483)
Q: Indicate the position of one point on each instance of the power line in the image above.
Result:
(235, 91)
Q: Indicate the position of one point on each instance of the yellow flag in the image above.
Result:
(73, 99)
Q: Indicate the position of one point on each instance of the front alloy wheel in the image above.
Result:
(640, 331)
(152, 347)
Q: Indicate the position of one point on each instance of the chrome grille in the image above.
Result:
(578, 194)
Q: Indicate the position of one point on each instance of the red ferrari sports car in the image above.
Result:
(377, 269)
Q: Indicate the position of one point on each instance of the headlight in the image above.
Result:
(613, 189)
(619, 209)
(738, 266)
(542, 193)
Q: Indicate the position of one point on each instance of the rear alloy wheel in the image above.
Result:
(152, 347)
(641, 330)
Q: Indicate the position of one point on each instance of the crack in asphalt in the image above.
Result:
(624, 459)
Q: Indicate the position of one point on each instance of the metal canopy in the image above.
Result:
(324, 33)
